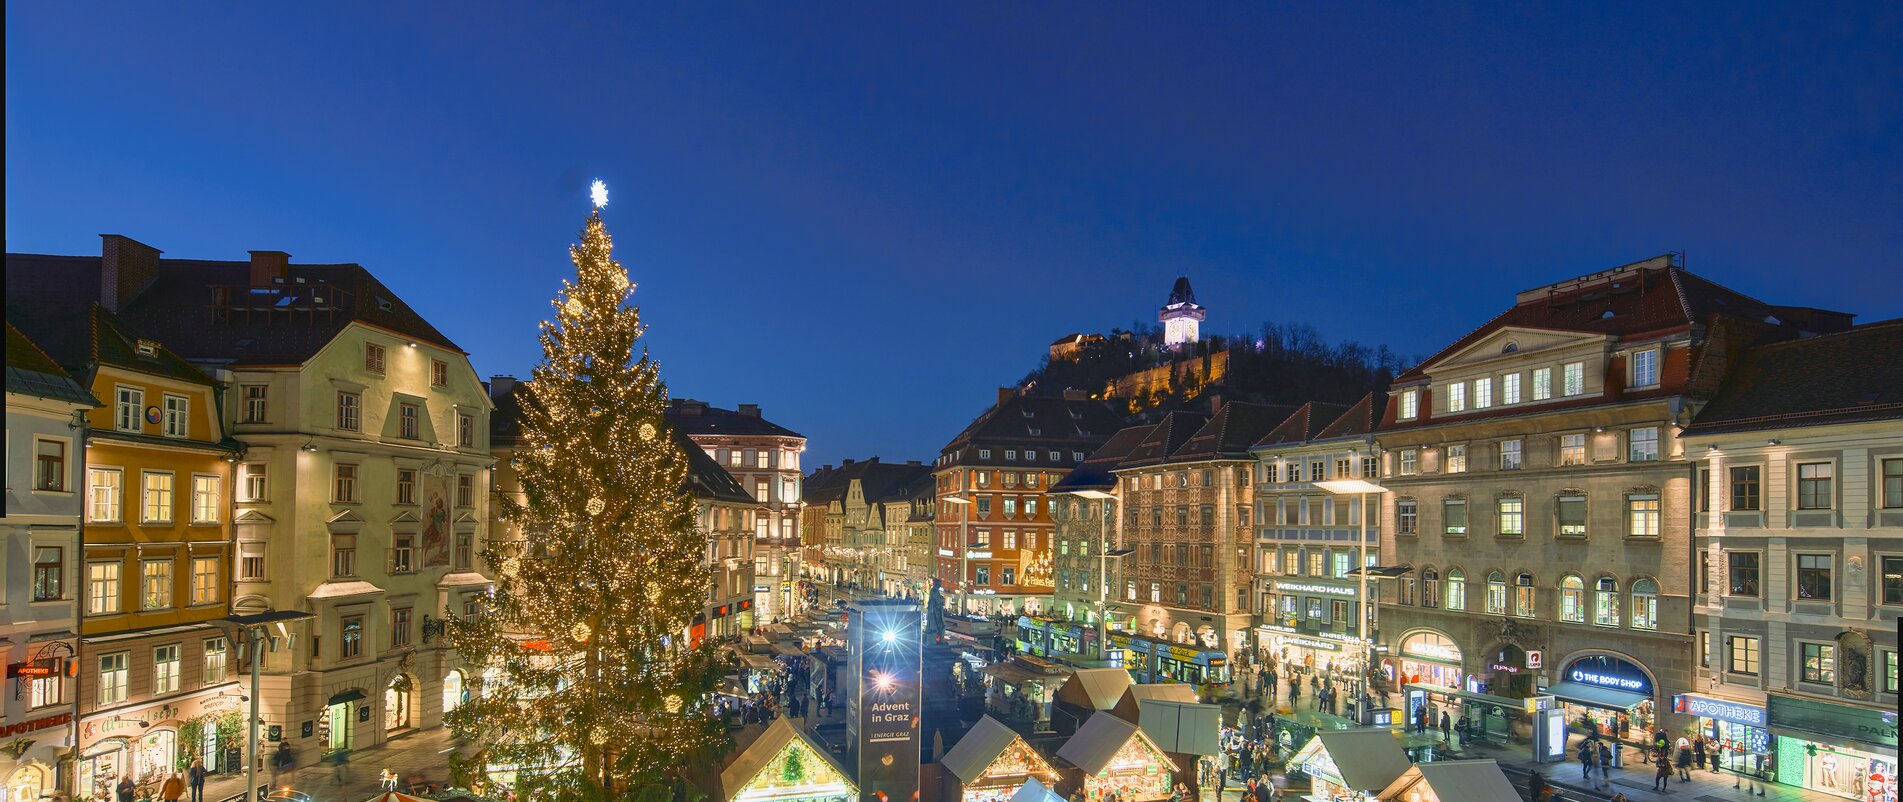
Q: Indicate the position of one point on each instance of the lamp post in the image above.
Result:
(964, 550)
(1103, 569)
(1363, 489)
(253, 626)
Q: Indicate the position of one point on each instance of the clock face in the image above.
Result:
(152, 415)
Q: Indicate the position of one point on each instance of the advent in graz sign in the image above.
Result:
(882, 719)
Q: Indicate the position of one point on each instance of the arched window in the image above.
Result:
(1430, 587)
(1456, 589)
(1645, 604)
(1523, 595)
(1572, 600)
(1605, 602)
(1496, 593)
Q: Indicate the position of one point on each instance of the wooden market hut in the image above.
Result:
(1354, 764)
(1452, 781)
(1110, 754)
(783, 764)
(991, 762)
(1087, 692)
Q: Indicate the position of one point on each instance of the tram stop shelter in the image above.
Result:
(1109, 754)
(1351, 765)
(782, 764)
(992, 762)
(1451, 781)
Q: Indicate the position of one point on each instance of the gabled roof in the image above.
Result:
(755, 757)
(1301, 425)
(1456, 781)
(701, 418)
(1094, 473)
(980, 746)
(1847, 377)
(1098, 740)
(1129, 706)
(1094, 688)
(879, 482)
(1359, 421)
(181, 306)
(1640, 298)
(30, 371)
(1228, 434)
(1366, 760)
(1044, 423)
(80, 335)
(1168, 435)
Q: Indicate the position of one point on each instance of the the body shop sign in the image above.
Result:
(1719, 709)
(1605, 671)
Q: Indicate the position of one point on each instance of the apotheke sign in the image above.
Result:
(1719, 709)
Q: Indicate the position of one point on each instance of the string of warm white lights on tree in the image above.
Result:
(596, 693)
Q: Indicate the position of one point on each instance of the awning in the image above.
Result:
(1384, 571)
(1595, 696)
(346, 697)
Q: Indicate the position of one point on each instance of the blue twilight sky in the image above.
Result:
(865, 217)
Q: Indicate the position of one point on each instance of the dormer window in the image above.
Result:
(148, 348)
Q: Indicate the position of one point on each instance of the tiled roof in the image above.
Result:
(1360, 419)
(1302, 425)
(878, 481)
(67, 322)
(1228, 435)
(1847, 377)
(1094, 473)
(30, 371)
(706, 480)
(1164, 439)
(699, 417)
(1043, 423)
(1640, 298)
(178, 307)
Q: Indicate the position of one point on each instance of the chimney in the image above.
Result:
(844, 462)
(750, 410)
(126, 266)
(500, 386)
(269, 266)
(1006, 394)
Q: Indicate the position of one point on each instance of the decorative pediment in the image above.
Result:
(466, 520)
(252, 518)
(1512, 342)
(406, 521)
(346, 521)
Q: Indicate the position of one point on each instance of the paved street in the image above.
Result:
(415, 757)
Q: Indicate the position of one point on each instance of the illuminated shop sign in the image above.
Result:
(1719, 709)
(1309, 587)
(1605, 671)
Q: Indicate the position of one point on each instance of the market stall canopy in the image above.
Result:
(1596, 696)
(1135, 695)
(1095, 743)
(1094, 688)
(1035, 791)
(1021, 669)
(789, 651)
(1363, 760)
(983, 744)
(758, 662)
(783, 764)
(1183, 728)
(1452, 781)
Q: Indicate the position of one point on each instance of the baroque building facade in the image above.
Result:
(764, 457)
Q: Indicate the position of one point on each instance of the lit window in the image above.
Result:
(1575, 378)
(1572, 449)
(1510, 388)
(1510, 452)
(1642, 513)
(1542, 384)
(205, 499)
(1572, 600)
(155, 584)
(1645, 604)
(217, 658)
(1410, 404)
(107, 487)
(102, 588)
(1605, 602)
(1457, 397)
(158, 498)
(1820, 663)
(1456, 590)
(177, 420)
(112, 678)
(1512, 517)
(165, 669)
(351, 642)
(1496, 594)
(1483, 393)
(1410, 462)
(1523, 598)
(204, 580)
(1457, 459)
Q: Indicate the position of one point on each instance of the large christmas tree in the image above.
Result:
(594, 692)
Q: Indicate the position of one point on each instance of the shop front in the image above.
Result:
(1740, 727)
(1427, 658)
(1837, 749)
(40, 742)
(141, 743)
(1607, 694)
(1292, 650)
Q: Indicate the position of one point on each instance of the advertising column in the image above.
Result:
(882, 717)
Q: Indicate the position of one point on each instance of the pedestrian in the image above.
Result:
(1460, 732)
(1717, 754)
(173, 788)
(195, 777)
(1664, 776)
(127, 792)
(1698, 752)
(1446, 727)
(1605, 764)
(1684, 760)
(283, 761)
(340, 766)
(1535, 784)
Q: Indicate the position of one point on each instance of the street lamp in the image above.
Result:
(1103, 570)
(253, 626)
(1362, 488)
(964, 550)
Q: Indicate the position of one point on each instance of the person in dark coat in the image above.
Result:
(127, 791)
(195, 777)
(1446, 727)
